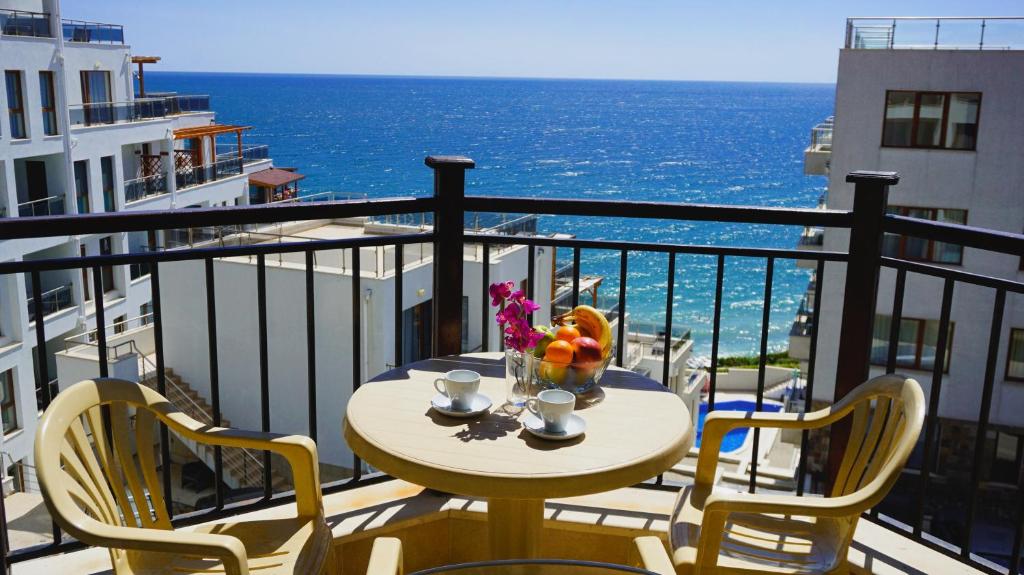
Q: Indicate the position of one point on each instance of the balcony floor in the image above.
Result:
(604, 525)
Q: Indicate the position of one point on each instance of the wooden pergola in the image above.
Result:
(198, 134)
(273, 183)
(140, 60)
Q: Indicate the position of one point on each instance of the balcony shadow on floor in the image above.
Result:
(874, 559)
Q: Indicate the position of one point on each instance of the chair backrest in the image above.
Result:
(95, 458)
(888, 413)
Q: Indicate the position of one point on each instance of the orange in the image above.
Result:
(559, 351)
(567, 333)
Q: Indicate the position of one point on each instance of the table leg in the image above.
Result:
(514, 527)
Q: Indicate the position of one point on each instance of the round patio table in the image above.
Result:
(638, 431)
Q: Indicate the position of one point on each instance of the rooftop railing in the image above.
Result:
(101, 113)
(938, 33)
(919, 508)
(821, 136)
(21, 23)
(250, 154)
(94, 32)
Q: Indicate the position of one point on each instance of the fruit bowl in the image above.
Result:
(581, 378)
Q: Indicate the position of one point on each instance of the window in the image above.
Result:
(911, 248)
(931, 120)
(15, 104)
(107, 175)
(1003, 454)
(146, 313)
(106, 248)
(1015, 356)
(96, 97)
(8, 411)
(918, 339)
(82, 186)
(47, 99)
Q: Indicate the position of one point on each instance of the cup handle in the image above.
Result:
(531, 406)
(441, 389)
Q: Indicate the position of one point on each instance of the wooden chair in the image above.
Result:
(102, 493)
(716, 532)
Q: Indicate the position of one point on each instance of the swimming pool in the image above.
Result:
(735, 437)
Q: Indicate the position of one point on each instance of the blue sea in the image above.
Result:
(695, 142)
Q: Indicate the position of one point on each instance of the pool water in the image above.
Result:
(735, 437)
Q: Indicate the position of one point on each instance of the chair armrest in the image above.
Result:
(842, 506)
(298, 450)
(718, 423)
(229, 550)
(718, 507)
(651, 555)
(386, 557)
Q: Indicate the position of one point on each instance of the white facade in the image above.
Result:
(186, 344)
(55, 156)
(987, 182)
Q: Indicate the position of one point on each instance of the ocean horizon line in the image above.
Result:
(462, 77)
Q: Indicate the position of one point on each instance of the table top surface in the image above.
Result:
(638, 431)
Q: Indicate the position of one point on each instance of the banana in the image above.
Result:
(591, 323)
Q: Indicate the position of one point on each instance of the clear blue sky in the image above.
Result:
(749, 40)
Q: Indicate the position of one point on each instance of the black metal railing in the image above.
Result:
(448, 207)
(22, 23)
(101, 113)
(146, 187)
(222, 168)
(95, 32)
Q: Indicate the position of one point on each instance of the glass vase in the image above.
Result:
(518, 373)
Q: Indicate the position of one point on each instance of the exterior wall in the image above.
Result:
(986, 182)
(90, 143)
(186, 345)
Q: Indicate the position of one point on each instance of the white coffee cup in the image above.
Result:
(461, 386)
(554, 407)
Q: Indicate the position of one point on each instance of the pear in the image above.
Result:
(542, 345)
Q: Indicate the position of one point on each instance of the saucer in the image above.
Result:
(535, 425)
(478, 405)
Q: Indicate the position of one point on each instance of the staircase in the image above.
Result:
(243, 468)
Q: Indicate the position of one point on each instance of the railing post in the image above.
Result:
(449, 193)
(870, 197)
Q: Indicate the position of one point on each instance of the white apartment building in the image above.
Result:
(75, 138)
(947, 115)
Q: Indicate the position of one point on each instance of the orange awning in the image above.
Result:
(211, 130)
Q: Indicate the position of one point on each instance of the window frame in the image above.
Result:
(49, 112)
(901, 251)
(1009, 349)
(10, 402)
(20, 110)
(919, 345)
(947, 95)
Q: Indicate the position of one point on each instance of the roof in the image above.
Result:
(211, 130)
(273, 177)
(145, 59)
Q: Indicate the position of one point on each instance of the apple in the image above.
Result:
(587, 350)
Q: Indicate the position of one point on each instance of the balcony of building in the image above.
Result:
(818, 155)
(82, 31)
(196, 157)
(950, 512)
(24, 23)
(944, 33)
